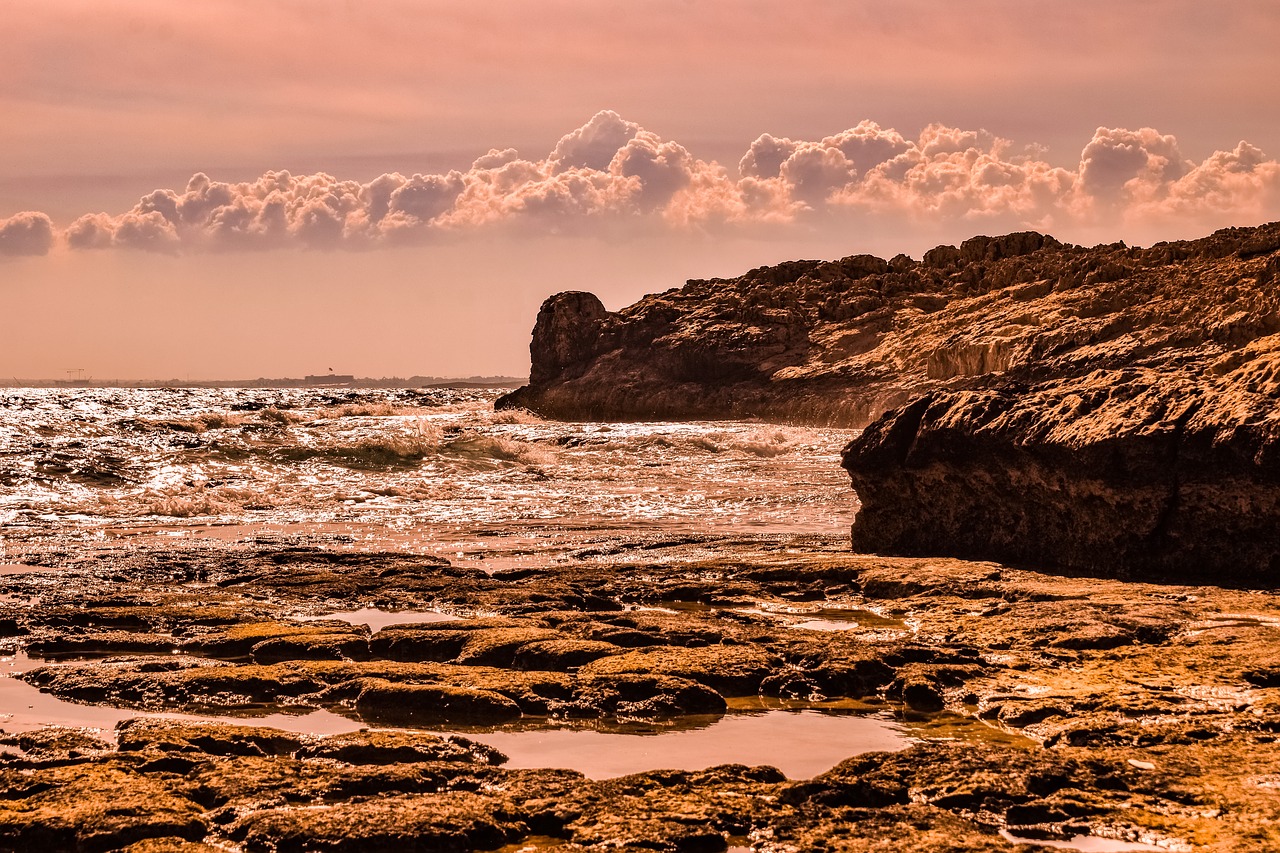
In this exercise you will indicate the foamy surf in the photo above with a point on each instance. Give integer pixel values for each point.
(72, 459)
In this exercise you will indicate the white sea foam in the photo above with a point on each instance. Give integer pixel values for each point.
(441, 456)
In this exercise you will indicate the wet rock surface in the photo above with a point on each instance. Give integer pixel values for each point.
(1042, 705)
(1109, 409)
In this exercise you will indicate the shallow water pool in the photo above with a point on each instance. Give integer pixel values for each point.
(1084, 844)
(25, 708)
(377, 619)
(800, 743)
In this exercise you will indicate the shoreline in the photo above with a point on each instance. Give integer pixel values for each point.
(1145, 711)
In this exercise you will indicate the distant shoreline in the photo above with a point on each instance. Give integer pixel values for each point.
(286, 382)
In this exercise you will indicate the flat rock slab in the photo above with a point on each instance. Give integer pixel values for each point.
(1045, 705)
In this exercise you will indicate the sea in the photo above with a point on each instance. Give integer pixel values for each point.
(105, 472)
(434, 471)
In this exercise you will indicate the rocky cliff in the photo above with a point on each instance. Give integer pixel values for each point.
(1108, 408)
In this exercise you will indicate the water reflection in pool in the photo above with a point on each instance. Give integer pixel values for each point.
(1084, 844)
(377, 619)
(823, 616)
(800, 743)
(25, 708)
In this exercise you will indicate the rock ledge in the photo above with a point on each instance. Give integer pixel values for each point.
(1110, 409)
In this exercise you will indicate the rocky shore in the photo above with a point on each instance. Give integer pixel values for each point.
(1061, 622)
(1035, 705)
(1109, 409)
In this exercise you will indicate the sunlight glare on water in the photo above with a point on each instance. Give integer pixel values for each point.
(395, 463)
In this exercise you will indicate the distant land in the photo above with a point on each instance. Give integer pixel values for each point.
(318, 381)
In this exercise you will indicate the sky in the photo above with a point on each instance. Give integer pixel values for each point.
(246, 188)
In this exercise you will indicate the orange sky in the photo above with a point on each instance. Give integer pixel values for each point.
(892, 127)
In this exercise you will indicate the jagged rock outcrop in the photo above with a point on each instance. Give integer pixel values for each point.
(1151, 447)
(565, 337)
(1107, 408)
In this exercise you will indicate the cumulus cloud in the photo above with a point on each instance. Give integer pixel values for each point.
(1121, 163)
(614, 176)
(951, 173)
(594, 145)
(26, 233)
(811, 172)
(1240, 183)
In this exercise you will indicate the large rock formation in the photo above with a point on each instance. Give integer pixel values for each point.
(1106, 408)
(1128, 471)
(1152, 446)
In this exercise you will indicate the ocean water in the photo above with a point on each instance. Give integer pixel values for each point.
(432, 471)
(88, 471)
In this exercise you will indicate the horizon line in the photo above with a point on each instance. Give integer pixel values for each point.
(308, 381)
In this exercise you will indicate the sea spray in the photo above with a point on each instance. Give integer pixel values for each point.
(71, 458)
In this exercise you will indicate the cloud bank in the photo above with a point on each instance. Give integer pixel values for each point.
(611, 176)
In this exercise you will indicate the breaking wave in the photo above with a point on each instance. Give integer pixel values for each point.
(203, 502)
(476, 446)
(377, 450)
(384, 448)
(398, 458)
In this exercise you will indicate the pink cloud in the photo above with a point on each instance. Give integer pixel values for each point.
(91, 231)
(662, 168)
(594, 145)
(148, 229)
(26, 233)
(813, 171)
(952, 173)
(1240, 182)
(1126, 165)
(765, 156)
(612, 176)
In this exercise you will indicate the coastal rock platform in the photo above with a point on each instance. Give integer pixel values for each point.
(1032, 705)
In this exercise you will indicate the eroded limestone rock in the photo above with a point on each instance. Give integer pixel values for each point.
(1111, 409)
